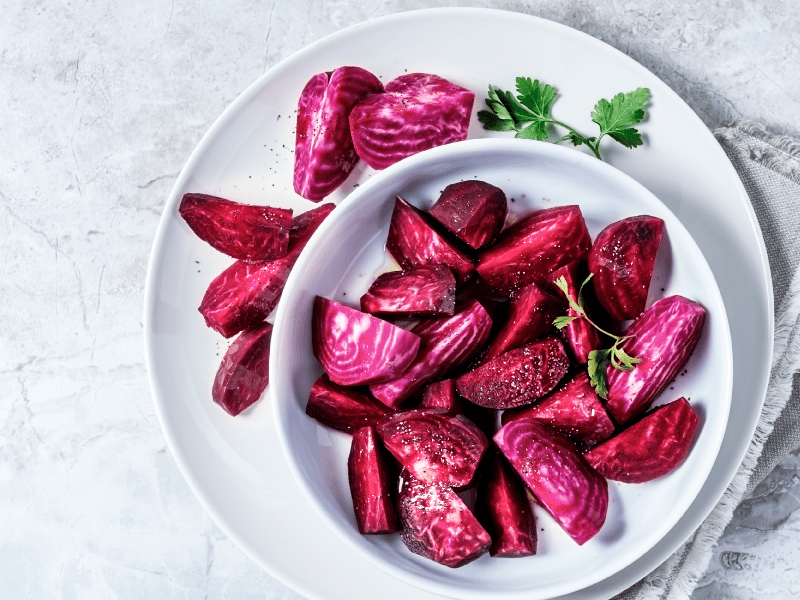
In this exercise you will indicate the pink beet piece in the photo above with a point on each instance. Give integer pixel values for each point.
(664, 337)
(574, 409)
(651, 448)
(433, 446)
(436, 524)
(342, 408)
(503, 509)
(372, 481)
(413, 242)
(622, 260)
(447, 343)
(533, 246)
(356, 348)
(242, 231)
(245, 293)
(516, 377)
(243, 375)
(473, 210)
(441, 395)
(558, 476)
(417, 111)
(324, 152)
(427, 290)
(579, 335)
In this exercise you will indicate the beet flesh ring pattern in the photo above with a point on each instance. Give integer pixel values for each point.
(342, 408)
(426, 290)
(416, 112)
(574, 494)
(324, 152)
(243, 375)
(371, 479)
(356, 348)
(475, 211)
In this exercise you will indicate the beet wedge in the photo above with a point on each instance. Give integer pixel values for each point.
(433, 446)
(324, 152)
(356, 348)
(664, 337)
(417, 111)
(423, 291)
(580, 335)
(622, 259)
(574, 494)
(244, 294)
(447, 343)
(442, 395)
(533, 246)
(574, 409)
(516, 377)
(435, 523)
(650, 448)
(243, 375)
(475, 211)
(242, 231)
(413, 242)
(372, 482)
(342, 408)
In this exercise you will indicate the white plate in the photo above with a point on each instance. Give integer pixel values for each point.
(235, 466)
(535, 176)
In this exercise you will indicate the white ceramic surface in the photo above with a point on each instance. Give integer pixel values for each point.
(235, 466)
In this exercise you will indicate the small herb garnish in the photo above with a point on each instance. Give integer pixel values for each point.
(529, 115)
(598, 359)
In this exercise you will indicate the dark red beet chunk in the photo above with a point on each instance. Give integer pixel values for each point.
(651, 448)
(561, 480)
(516, 377)
(447, 343)
(427, 290)
(580, 335)
(433, 446)
(503, 509)
(574, 409)
(356, 348)
(529, 249)
(665, 336)
(324, 152)
(243, 375)
(441, 394)
(343, 408)
(244, 294)
(473, 210)
(622, 260)
(418, 111)
(438, 525)
(243, 231)
(371, 483)
(412, 242)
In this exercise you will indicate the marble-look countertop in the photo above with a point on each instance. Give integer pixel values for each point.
(102, 103)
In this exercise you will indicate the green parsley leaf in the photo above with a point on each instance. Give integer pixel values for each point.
(561, 322)
(536, 97)
(596, 368)
(617, 117)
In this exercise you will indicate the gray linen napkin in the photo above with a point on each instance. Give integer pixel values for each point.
(769, 167)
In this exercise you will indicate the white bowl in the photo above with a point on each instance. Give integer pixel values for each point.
(343, 258)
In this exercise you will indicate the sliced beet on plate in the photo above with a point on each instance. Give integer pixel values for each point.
(372, 483)
(243, 375)
(427, 290)
(475, 211)
(341, 407)
(580, 335)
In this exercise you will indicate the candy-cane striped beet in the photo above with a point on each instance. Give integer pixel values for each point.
(343, 408)
(579, 334)
(426, 290)
(473, 210)
(372, 481)
(243, 375)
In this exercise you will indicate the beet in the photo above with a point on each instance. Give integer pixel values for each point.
(573, 408)
(371, 477)
(533, 246)
(413, 242)
(580, 334)
(516, 377)
(447, 342)
(433, 446)
(427, 290)
(356, 348)
(438, 525)
(244, 294)
(441, 394)
(324, 152)
(242, 231)
(243, 375)
(417, 111)
(650, 448)
(473, 210)
(622, 260)
(665, 336)
(342, 408)
(558, 476)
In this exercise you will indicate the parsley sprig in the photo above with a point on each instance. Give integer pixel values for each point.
(598, 359)
(529, 115)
